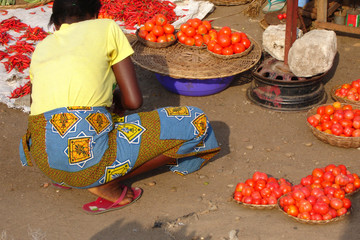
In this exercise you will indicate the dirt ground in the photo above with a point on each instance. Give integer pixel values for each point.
(197, 206)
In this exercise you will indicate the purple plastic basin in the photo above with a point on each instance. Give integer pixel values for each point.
(194, 87)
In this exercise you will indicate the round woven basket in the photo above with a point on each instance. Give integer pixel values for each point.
(339, 141)
(154, 44)
(177, 61)
(313, 221)
(229, 2)
(341, 99)
(236, 55)
(255, 206)
(26, 5)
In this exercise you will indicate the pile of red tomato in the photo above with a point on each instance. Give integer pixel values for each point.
(194, 32)
(261, 189)
(224, 41)
(337, 120)
(349, 91)
(158, 29)
(321, 195)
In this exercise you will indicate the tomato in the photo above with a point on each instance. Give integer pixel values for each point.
(349, 114)
(338, 115)
(182, 38)
(320, 110)
(336, 203)
(150, 37)
(224, 40)
(184, 26)
(161, 39)
(347, 107)
(356, 133)
(341, 211)
(293, 211)
(347, 203)
(304, 206)
(356, 122)
(225, 30)
(235, 37)
(325, 118)
(239, 48)
(307, 180)
(170, 37)
(243, 35)
(298, 195)
(142, 33)
(284, 15)
(349, 188)
(346, 123)
(304, 215)
(168, 28)
(256, 195)
(195, 23)
(356, 183)
(247, 191)
(158, 30)
(246, 42)
(190, 31)
(207, 24)
(321, 208)
(189, 41)
(198, 36)
(317, 192)
(313, 121)
(206, 38)
(317, 173)
(202, 29)
(324, 199)
(329, 109)
(316, 217)
(285, 188)
(217, 49)
(199, 42)
(160, 19)
(339, 193)
(238, 196)
(341, 179)
(247, 200)
(326, 125)
(271, 200)
(149, 25)
(337, 129)
(259, 176)
(280, 16)
(227, 51)
(260, 184)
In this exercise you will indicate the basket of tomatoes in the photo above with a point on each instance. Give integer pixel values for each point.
(226, 43)
(261, 191)
(157, 32)
(347, 93)
(322, 196)
(194, 33)
(336, 124)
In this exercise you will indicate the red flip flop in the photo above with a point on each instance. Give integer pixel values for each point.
(102, 205)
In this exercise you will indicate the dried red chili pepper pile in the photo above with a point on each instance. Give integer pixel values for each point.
(133, 12)
(18, 55)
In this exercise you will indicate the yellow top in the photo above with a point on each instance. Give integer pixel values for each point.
(72, 67)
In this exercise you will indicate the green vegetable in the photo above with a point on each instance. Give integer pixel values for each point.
(32, 1)
(7, 2)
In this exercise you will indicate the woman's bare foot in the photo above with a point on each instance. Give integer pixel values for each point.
(112, 192)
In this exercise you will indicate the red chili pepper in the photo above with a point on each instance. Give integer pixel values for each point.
(4, 12)
(43, 10)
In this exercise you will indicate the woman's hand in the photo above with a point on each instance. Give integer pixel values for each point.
(129, 96)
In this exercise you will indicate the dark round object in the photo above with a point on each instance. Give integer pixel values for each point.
(275, 87)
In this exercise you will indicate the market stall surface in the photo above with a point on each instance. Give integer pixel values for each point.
(199, 205)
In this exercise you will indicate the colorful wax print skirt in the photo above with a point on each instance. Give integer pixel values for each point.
(84, 147)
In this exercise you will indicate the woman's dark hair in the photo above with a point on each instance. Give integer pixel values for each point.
(68, 11)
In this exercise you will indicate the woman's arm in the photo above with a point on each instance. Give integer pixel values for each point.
(129, 97)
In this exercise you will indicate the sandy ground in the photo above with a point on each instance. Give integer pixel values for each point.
(197, 206)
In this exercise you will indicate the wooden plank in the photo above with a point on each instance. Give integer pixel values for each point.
(337, 27)
(321, 11)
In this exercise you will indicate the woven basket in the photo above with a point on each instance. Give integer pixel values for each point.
(27, 5)
(313, 221)
(154, 44)
(255, 206)
(178, 61)
(229, 2)
(339, 141)
(341, 99)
